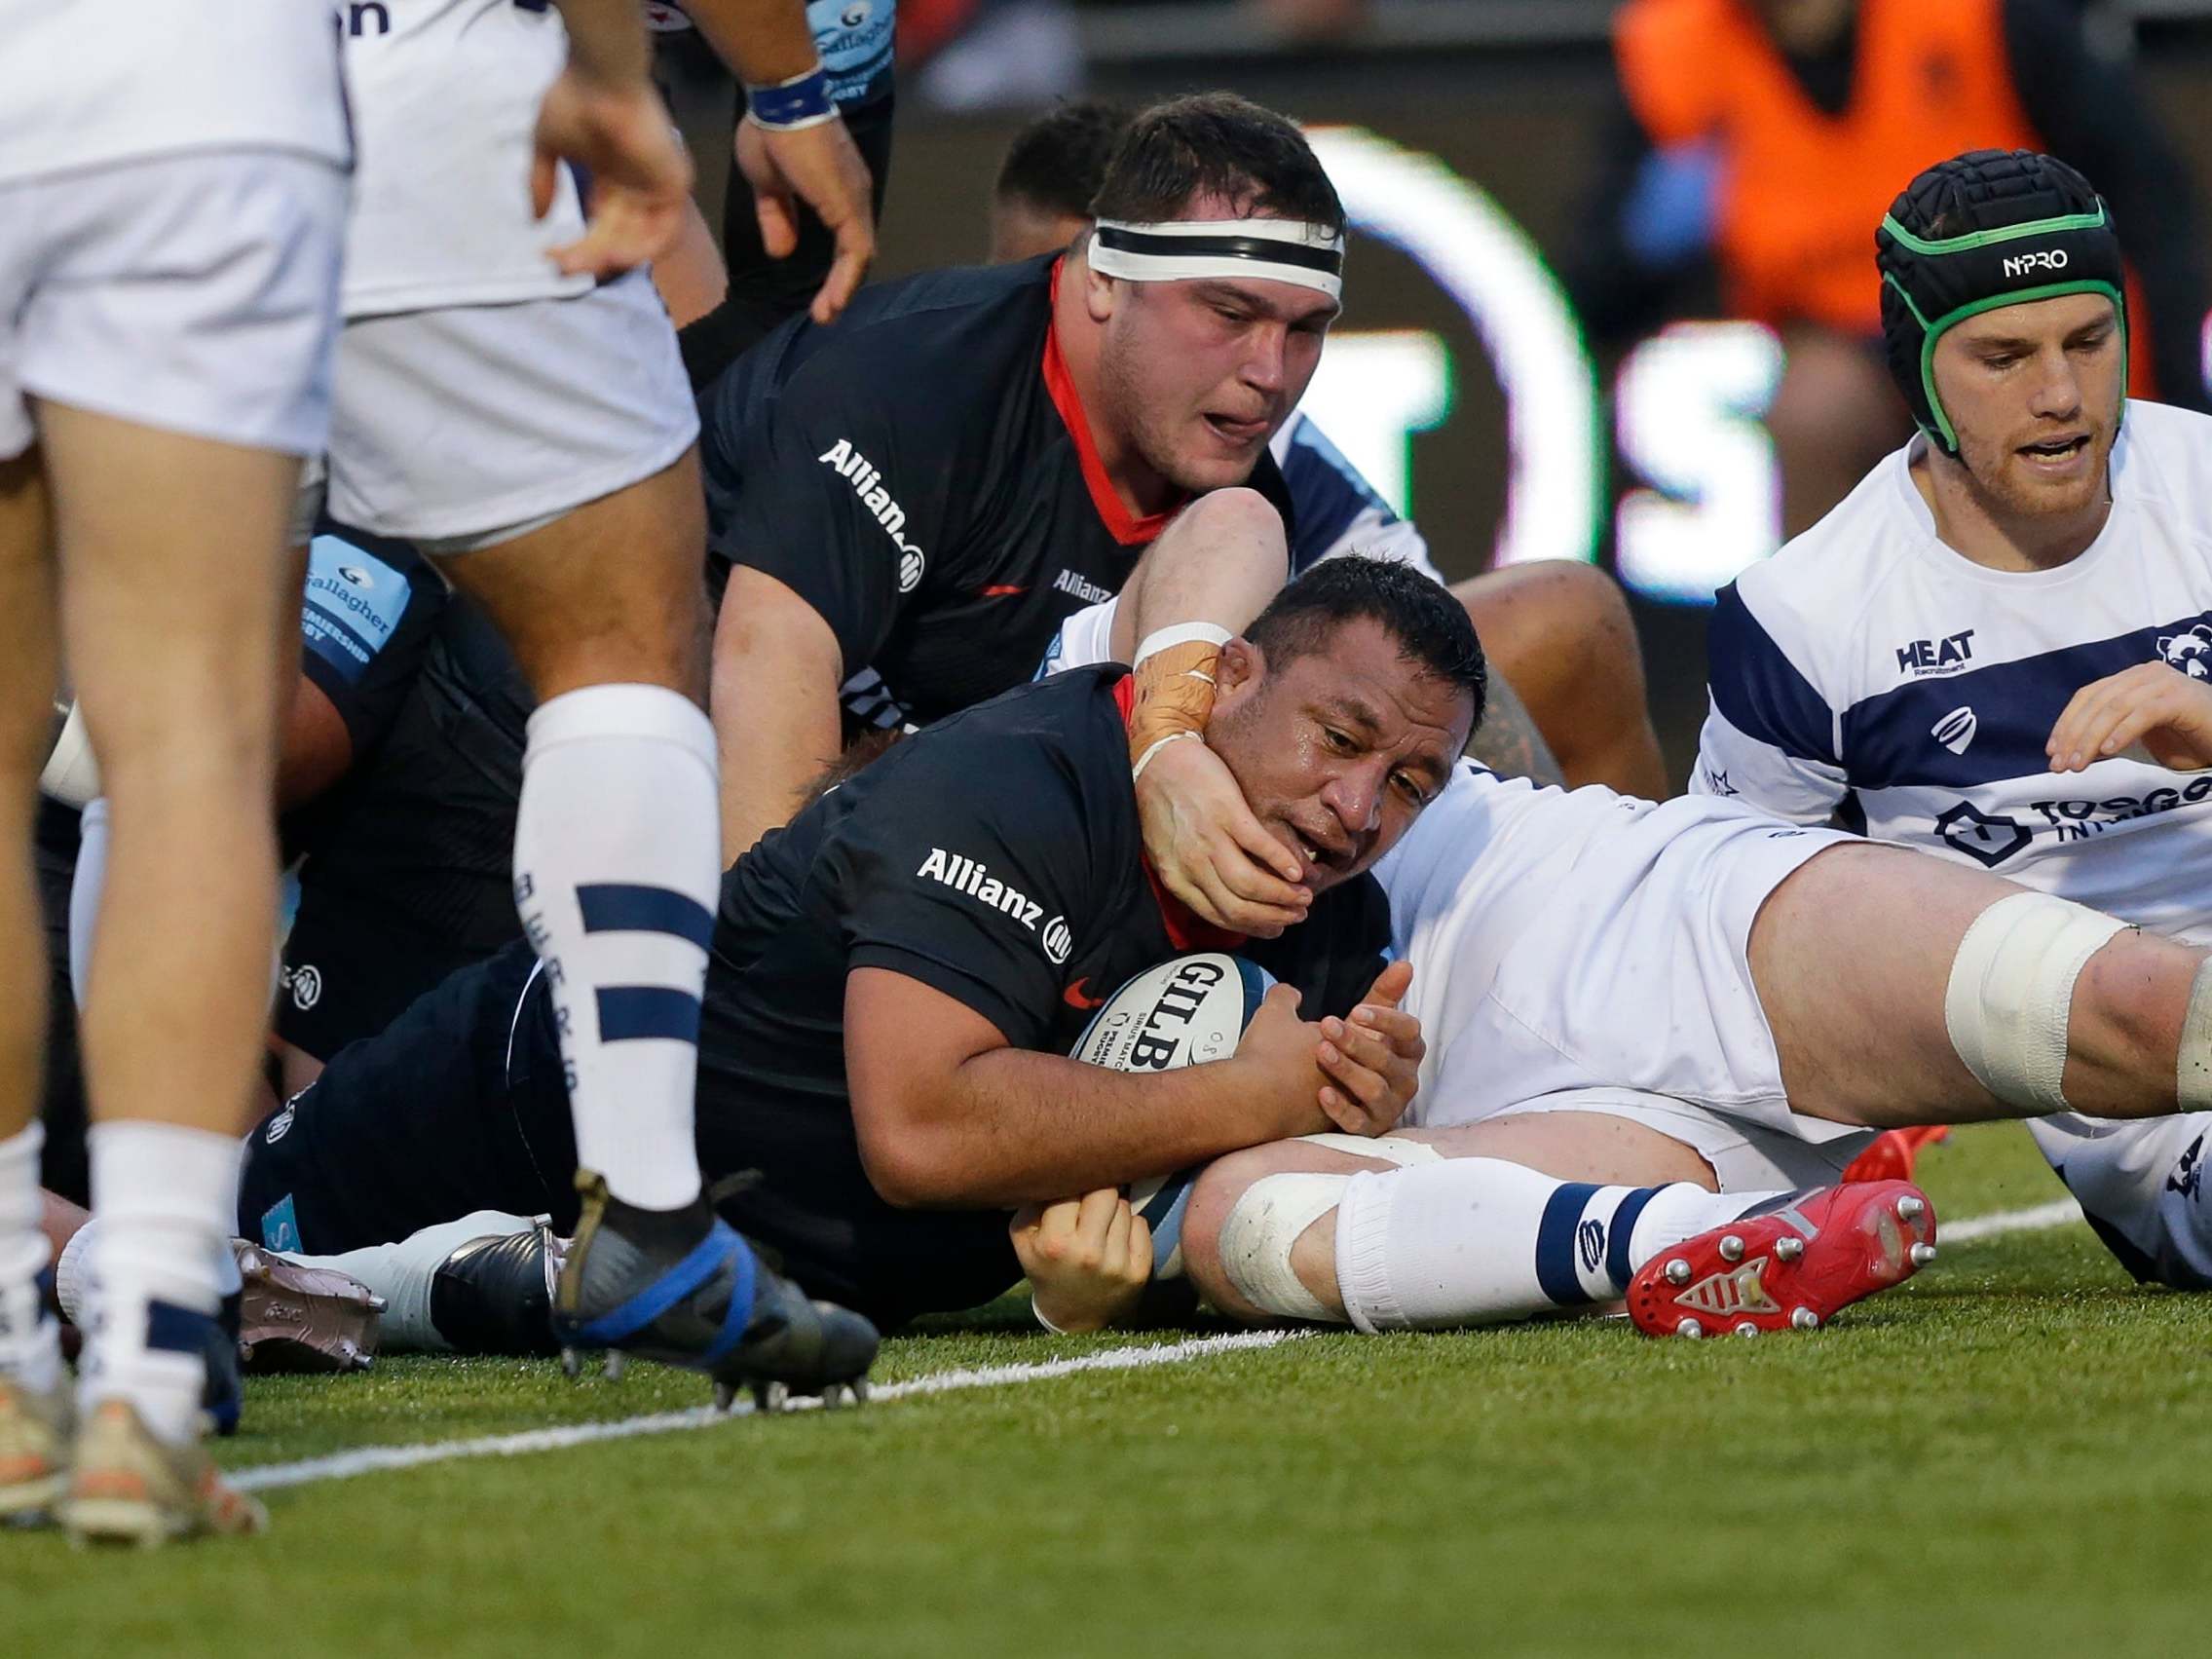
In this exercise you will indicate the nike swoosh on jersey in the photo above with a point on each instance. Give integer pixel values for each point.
(1077, 996)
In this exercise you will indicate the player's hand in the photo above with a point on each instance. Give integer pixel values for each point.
(1088, 1258)
(2162, 708)
(1210, 851)
(1372, 1061)
(823, 168)
(1280, 1080)
(641, 174)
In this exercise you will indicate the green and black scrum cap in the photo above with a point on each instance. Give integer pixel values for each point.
(1986, 229)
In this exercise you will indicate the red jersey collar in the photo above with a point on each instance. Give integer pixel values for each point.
(1121, 524)
(1186, 932)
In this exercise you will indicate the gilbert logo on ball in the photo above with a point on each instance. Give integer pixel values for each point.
(1187, 1012)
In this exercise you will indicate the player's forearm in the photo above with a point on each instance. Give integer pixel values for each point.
(775, 702)
(1012, 1127)
(764, 42)
(607, 39)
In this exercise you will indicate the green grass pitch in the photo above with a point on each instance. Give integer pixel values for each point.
(2010, 1456)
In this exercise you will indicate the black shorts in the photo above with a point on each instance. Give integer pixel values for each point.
(461, 1104)
(457, 1105)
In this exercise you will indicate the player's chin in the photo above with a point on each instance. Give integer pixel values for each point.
(1211, 459)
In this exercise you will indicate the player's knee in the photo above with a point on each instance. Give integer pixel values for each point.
(2008, 1004)
(1247, 1213)
(2142, 999)
(1562, 632)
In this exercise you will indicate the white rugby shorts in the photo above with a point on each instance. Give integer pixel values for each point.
(1627, 971)
(465, 426)
(196, 294)
(1746, 1156)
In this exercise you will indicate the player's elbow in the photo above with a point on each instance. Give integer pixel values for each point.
(916, 1169)
(764, 624)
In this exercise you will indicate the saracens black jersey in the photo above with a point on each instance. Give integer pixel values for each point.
(997, 857)
(922, 474)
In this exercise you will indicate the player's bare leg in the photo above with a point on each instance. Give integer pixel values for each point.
(1856, 957)
(1512, 1218)
(1560, 632)
(179, 679)
(617, 870)
(34, 1398)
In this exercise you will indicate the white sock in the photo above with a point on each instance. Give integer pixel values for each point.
(616, 870)
(1476, 1241)
(30, 1346)
(85, 885)
(402, 1274)
(167, 1199)
(2144, 1181)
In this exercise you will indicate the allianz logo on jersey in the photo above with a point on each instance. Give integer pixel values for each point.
(1081, 586)
(1923, 657)
(867, 484)
(963, 875)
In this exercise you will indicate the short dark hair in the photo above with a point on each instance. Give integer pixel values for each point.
(1215, 144)
(1418, 612)
(1059, 160)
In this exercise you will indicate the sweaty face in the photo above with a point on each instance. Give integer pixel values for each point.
(1338, 750)
(1197, 375)
(2034, 394)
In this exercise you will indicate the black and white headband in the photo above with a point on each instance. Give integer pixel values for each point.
(1175, 250)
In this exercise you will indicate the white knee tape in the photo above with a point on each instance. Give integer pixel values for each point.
(1387, 1149)
(1256, 1241)
(2011, 992)
(2193, 1068)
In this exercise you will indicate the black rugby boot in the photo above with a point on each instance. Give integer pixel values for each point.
(685, 1288)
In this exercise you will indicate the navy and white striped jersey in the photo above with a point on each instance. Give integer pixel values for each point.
(1870, 673)
(1337, 510)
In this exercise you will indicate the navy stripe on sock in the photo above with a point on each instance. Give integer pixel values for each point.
(630, 1011)
(177, 1329)
(1617, 1266)
(629, 907)
(1556, 1245)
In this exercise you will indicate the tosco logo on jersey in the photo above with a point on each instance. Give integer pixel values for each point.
(867, 483)
(963, 875)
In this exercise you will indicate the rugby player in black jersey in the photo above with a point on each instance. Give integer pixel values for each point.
(930, 488)
(896, 976)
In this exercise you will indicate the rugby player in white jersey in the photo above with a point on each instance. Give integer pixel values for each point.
(1979, 652)
(510, 398)
(172, 196)
(1655, 1036)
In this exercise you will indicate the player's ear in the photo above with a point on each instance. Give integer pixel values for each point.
(1238, 674)
(1102, 294)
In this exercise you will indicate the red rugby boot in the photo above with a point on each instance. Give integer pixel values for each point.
(1793, 1267)
(1892, 1154)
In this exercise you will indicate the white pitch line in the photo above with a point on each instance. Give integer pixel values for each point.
(2056, 1214)
(372, 1459)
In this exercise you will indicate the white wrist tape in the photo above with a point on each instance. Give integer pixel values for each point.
(1037, 1313)
(1181, 633)
(2011, 993)
(1256, 1242)
(71, 775)
(1153, 748)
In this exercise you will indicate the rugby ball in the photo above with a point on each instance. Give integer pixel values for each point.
(1183, 1012)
